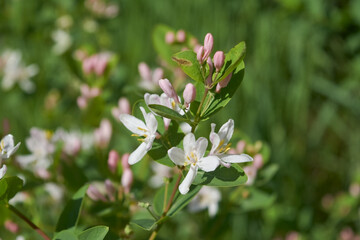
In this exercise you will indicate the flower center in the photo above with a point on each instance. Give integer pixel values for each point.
(142, 135)
(191, 159)
(223, 148)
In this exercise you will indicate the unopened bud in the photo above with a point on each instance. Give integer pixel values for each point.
(127, 179)
(101, 64)
(144, 204)
(200, 54)
(144, 71)
(168, 89)
(110, 190)
(240, 146)
(219, 59)
(11, 226)
(189, 93)
(170, 38)
(208, 80)
(258, 161)
(87, 65)
(208, 45)
(113, 161)
(103, 134)
(223, 83)
(95, 194)
(181, 36)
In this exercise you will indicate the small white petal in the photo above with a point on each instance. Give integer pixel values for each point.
(25, 160)
(226, 131)
(177, 155)
(149, 141)
(213, 209)
(138, 154)
(185, 128)
(236, 158)
(189, 143)
(132, 123)
(12, 150)
(151, 123)
(200, 147)
(186, 183)
(209, 164)
(3, 171)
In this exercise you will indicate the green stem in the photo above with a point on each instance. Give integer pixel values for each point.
(28, 221)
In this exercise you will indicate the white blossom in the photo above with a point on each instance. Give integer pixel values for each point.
(208, 197)
(7, 148)
(62, 41)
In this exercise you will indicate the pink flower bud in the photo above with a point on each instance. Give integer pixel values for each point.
(168, 89)
(189, 93)
(170, 38)
(94, 92)
(181, 36)
(113, 160)
(85, 90)
(200, 54)
(125, 161)
(11, 226)
(258, 161)
(144, 71)
(240, 146)
(223, 83)
(158, 74)
(95, 194)
(81, 102)
(208, 80)
(87, 65)
(167, 122)
(102, 135)
(208, 45)
(110, 190)
(219, 59)
(127, 179)
(101, 64)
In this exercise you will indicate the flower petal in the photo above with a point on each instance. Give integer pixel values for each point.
(138, 154)
(209, 164)
(150, 121)
(3, 171)
(186, 183)
(185, 127)
(200, 147)
(236, 158)
(7, 142)
(177, 155)
(132, 123)
(226, 131)
(12, 150)
(189, 143)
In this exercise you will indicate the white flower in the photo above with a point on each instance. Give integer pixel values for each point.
(62, 41)
(168, 102)
(15, 72)
(71, 141)
(193, 155)
(145, 130)
(220, 145)
(7, 148)
(41, 146)
(208, 197)
(149, 79)
(160, 172)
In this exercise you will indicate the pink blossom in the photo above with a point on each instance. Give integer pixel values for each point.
(103, 134)
(113, 160)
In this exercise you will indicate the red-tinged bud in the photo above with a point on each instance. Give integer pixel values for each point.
(168, 89)
(110, 190)
(208, 45)
(219, 59)
(113, 160)
(258, 161)
(127, 180)
(95, 194)
(223, 83)
(170, 38)
(144, 71)
(208, 80)
(82, 102)
(181, 36)
(125, 161)
(240, 146)
(200, 54)
(189, 94)
(103, 134)
(11, 226)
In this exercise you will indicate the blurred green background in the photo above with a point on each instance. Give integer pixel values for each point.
(300, 94)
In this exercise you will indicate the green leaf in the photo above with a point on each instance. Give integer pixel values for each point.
(265, 175)
(220, 100)
(67, 234)
(70, 215)
(222, 177)
(158, 201)
(189, 64)
(94, 233)
(146, 224)
(182, 200)
(9, 186)
(232, 59)
(257, 199)
(167, 113)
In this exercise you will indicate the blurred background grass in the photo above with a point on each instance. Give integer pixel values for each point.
(300, 94)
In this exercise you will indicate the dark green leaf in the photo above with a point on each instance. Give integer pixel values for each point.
(222, 177)
(232, 59)
(9, 186)
(220, 100)
(66, 235)
(70, 215)
(266, 174)
(94, 233)
(189, 64)
(146, 224)
(167, 113)
(257, 199)
(3, 187)
(182, 200)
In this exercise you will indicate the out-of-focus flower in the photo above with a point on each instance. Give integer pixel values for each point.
(101, 9)
(62, 41)
(14, 71)
(149, 79)
(11, 226)
(193, 155)
(146, 131)
(71, 141)
(348, 234)
(87, 93)
(208, 197)
(64, 22)
(160, 172)
(41, 147)
(181, 36)
(123, 107)
(55, 191)
(113, 160)
(102, 191)
(96, 63)
(103, 134)
(127, 175)
(170, 37)
(354, 189)
(292, 236)
(7, 148)
(90, 25)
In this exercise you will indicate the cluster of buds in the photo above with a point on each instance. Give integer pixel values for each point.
(171, 37)
(203, 56)
(96, 63)
(104, 192)
(149, 79)
(127, 175)
(87, 93)
(102, 9)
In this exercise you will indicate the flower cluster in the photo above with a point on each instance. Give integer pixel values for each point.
(7, 148)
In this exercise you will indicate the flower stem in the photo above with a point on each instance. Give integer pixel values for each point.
(28, 221)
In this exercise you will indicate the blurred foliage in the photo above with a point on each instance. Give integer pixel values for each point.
(301, 95)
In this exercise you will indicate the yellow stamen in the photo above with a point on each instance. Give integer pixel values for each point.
(2, 145)
(142, 129)
(135, 135)
(173, 104)
(141, 140)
